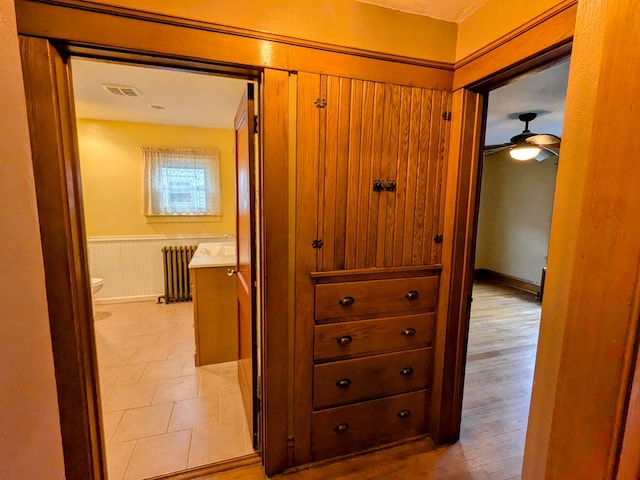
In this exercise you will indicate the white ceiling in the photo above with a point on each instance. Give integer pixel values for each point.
(543, 91)
(450, 10)
(191, 98)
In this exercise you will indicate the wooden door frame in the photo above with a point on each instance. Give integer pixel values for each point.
(58, 189)
(536, 45)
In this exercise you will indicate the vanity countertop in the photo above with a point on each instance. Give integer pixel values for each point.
(214, 254)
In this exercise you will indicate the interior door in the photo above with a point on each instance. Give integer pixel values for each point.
(246, 284)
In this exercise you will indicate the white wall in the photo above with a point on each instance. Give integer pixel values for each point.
(516, 201)
(30, 439)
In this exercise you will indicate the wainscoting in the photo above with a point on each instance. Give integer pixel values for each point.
(131, 266)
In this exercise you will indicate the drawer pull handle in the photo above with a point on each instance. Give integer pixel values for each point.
(346, 301)
(345, 340)
(404, 413)
(343, 382)
(406, 371)
(409, 332)
(342, 427)
(411, 295)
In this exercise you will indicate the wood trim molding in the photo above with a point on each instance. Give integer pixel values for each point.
(464, 166)
(274, 190)
(503, 278)
(82, 25)
(306, 230)
(243, 32)
(541, 39)
(57, 181)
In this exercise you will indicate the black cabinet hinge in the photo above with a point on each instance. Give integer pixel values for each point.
(446, 116)
(469, 301)
(317, 243)
(320, 102)
(255, 124)
(438, 238)
(258, 406)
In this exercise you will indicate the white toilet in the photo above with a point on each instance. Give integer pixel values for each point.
(96, 286)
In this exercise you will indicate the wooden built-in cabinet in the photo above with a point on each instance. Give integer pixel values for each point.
(370, 175)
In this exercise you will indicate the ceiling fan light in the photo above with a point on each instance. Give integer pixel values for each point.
(524, 153)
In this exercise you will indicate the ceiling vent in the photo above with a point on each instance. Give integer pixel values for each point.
(122, 90)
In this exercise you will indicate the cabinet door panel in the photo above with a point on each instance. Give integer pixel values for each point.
(388, 133)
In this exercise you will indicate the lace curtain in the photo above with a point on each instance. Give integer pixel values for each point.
(181, 181)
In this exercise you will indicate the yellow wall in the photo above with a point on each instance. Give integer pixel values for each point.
(30, 442)
(339, 22)
(495, 19)
(111, 168)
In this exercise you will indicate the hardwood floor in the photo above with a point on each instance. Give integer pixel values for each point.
(501, 355)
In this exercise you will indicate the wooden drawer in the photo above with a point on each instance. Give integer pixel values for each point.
(375, 297)
(341, 430)
(348, 339)
(376, 376)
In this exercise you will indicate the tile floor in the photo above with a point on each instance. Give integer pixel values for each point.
(161, 414)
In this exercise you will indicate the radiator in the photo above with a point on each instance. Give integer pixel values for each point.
(177, 284)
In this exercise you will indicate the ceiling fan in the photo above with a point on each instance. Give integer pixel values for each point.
(528, 145)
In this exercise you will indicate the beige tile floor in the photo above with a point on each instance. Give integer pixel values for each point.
(161, 413)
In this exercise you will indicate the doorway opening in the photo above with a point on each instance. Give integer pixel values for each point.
(174, 378)
(511, 241)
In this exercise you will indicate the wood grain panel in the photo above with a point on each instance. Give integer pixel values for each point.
(424, 135)
(354, 173)
(401, 177)
(394, 373)
(439, 200)
(362, 432)
(391, 173)
(366, 196)
(344, 181)
(431, 209)
(307, 185)
(330, 178)
(376, 174)
(321, 165)
(369, 336)
(412, 175)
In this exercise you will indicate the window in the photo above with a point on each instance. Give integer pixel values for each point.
(181, 181)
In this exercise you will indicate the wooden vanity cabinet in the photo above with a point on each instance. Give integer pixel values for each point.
(215, 311)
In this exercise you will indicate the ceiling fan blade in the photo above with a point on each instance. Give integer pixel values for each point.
(546, 153)
(493, 149)
(544, 140)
